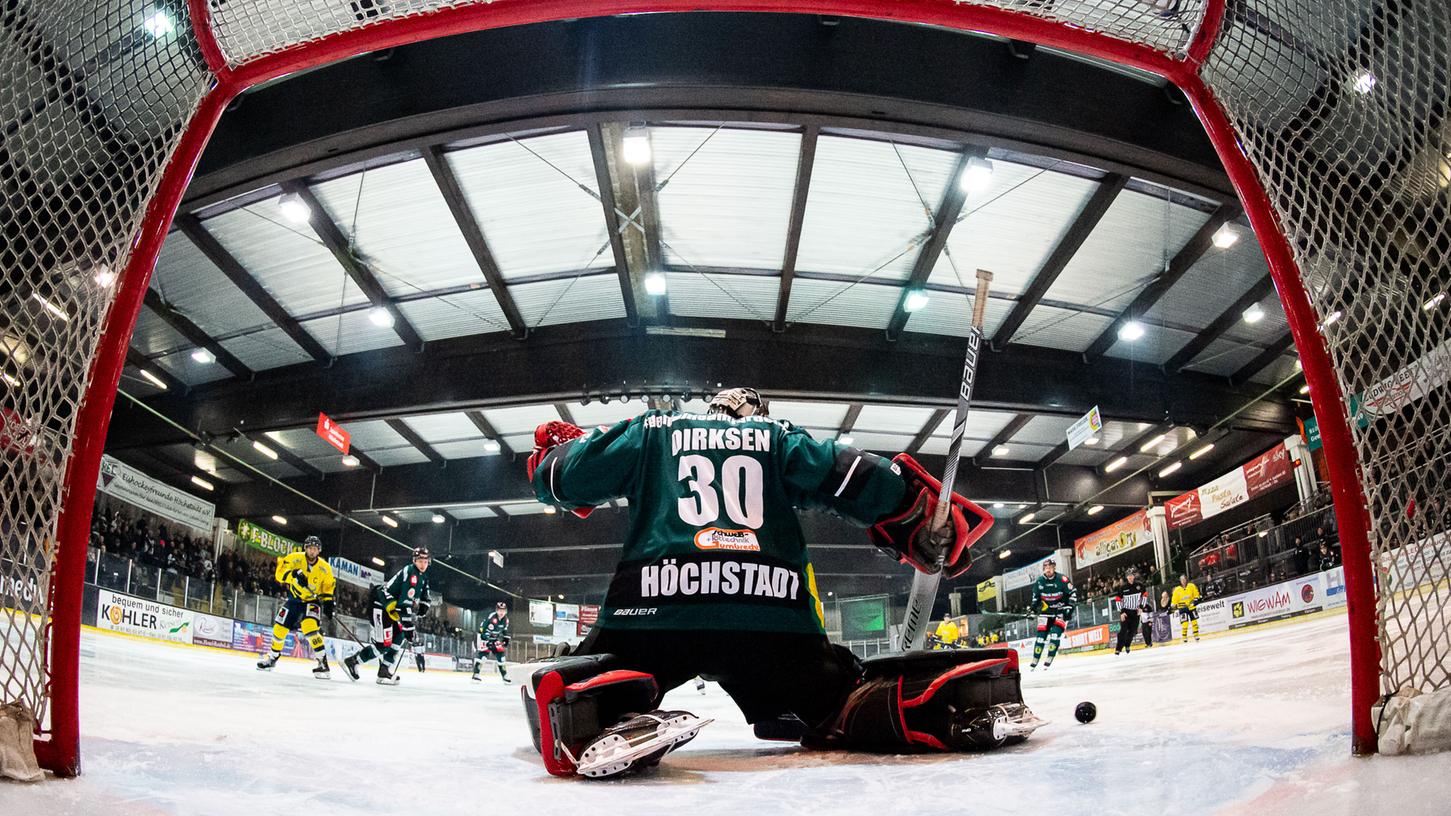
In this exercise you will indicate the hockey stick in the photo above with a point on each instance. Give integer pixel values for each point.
(924, 585)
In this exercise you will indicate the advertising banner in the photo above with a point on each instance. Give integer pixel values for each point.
(1253, 479)
(564, 611)
(257, 637)
(1403, 387)
(134, 616)
(437, 661)
(1023, 576)
(210, 630)
(1312, 434)
(1308, 593)
(130, 485)
(333, 433)
(987, 590)
(1088, 638)
(541, 613)
(566, 631)
(1084, 428)
(1123, 535)
(589, 615)
(259, 538)
(350, 572)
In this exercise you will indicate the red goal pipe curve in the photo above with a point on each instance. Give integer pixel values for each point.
(61, 752)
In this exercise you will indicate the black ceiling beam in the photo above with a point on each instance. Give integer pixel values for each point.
(853, 412)
(140, 361)
(487, 429)
(341, 248)
(805, 163)
(600, 157)
(1062, 254)
(564, 412)
(419, 443)
(1182, 262)
(191, 331)
(194, 230)
(365, 461)
(943, 221)
(294, 460)
(928, 428)
(1265, 359)
(1051, 457)
(1226, 321)
(468, 373)
(1002, 437)
(463, 216)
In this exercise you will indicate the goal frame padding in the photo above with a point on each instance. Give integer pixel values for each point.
(60, 751)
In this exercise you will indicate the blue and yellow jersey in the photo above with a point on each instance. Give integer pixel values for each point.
(305, 582)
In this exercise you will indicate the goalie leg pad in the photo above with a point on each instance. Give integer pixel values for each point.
(572, 700)
(935, 701)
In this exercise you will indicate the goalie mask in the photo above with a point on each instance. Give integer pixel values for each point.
(738, 402)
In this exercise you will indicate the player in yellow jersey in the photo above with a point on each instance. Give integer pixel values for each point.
(946, 635)
(309, 582)
(1185, 601)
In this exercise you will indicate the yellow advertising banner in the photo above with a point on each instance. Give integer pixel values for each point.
(987, 590)
(1115, 539)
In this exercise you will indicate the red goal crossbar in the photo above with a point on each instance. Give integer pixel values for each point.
(61, 751)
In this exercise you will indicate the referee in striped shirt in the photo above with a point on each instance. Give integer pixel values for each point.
(1130, 598)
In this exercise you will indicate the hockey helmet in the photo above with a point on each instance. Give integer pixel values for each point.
(738, 402)
(312, 541)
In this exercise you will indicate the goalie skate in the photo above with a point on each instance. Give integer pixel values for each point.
(638, 742)
(994, 726)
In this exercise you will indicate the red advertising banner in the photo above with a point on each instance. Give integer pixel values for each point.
(333, 433)
(589, 615)
(1251, 480)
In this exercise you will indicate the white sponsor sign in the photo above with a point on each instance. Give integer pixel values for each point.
(1084, 428)
(1308, 593)
(541, 613)
(1227, 491)
(1403, 387)
(135, 616)
(564, 611)
(131, 485)
(350, 572)
(566, 631)
(1023, 576)
(438, 662)
(18, 592)
(210, 630)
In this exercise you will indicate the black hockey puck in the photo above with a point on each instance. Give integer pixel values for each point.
(1085, 712)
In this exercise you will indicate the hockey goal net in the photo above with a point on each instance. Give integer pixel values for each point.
(1330, 116)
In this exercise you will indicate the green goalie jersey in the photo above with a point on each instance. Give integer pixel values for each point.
(713, 541)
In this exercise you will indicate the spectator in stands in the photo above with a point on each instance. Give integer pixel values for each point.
(1327, 558)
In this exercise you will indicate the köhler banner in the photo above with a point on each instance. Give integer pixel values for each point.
(130, 485)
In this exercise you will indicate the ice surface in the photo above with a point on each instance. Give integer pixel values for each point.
(1252, 723)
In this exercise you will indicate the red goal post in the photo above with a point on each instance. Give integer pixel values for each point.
(1205, 47)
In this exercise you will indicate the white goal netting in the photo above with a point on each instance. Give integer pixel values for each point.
(1340, 105)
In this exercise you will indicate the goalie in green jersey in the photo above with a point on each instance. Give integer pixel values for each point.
(715, 581)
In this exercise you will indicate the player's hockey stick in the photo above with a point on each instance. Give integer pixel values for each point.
(924, 585)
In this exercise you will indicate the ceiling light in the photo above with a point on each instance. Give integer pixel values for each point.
(280, 520)
(379, 561)
(380, 317)
(104, 276)
(1095, 510)
(153, 379)
(1225, 237)
(1027, 518)
(492, 446)
(1433, 302)
(635, 146)
(1254, 314)
(1299, 366)
(845, 439)
(264, 450)
(1131, 331)
(1115, 464)
(294, 209)
(977, 175)
(203, 356)
(1152, 443)
(561, 597)
(1001, 450)
(205, 462)
(655, 284)
(437, 518)
(1202, 451)
(997, 505)
(351, 461)
(14, 348)
(1092, 440)
(1005, 553)
(1363, 82)
(916, 299)
(9, 380)
(50, 307)
(1333, 318)
(390, 521)
(1305, 389)
(1170, 469)
(202, 483)
(158, 25)
(549, 508)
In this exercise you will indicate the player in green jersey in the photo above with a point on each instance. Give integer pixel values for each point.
(396, 605)
(1053, 599)
(715, 580)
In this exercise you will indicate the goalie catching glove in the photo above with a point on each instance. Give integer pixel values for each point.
(906, 532)
(548, 439)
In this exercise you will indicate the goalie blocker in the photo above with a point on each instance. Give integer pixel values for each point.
(583, 711)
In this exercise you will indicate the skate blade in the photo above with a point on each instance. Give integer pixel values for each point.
(615, 754)
(327, 676)
(1024, 727)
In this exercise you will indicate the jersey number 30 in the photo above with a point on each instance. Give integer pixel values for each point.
(740, 486)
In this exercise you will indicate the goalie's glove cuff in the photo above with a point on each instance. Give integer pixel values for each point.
(905, 532)
(547, 437)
